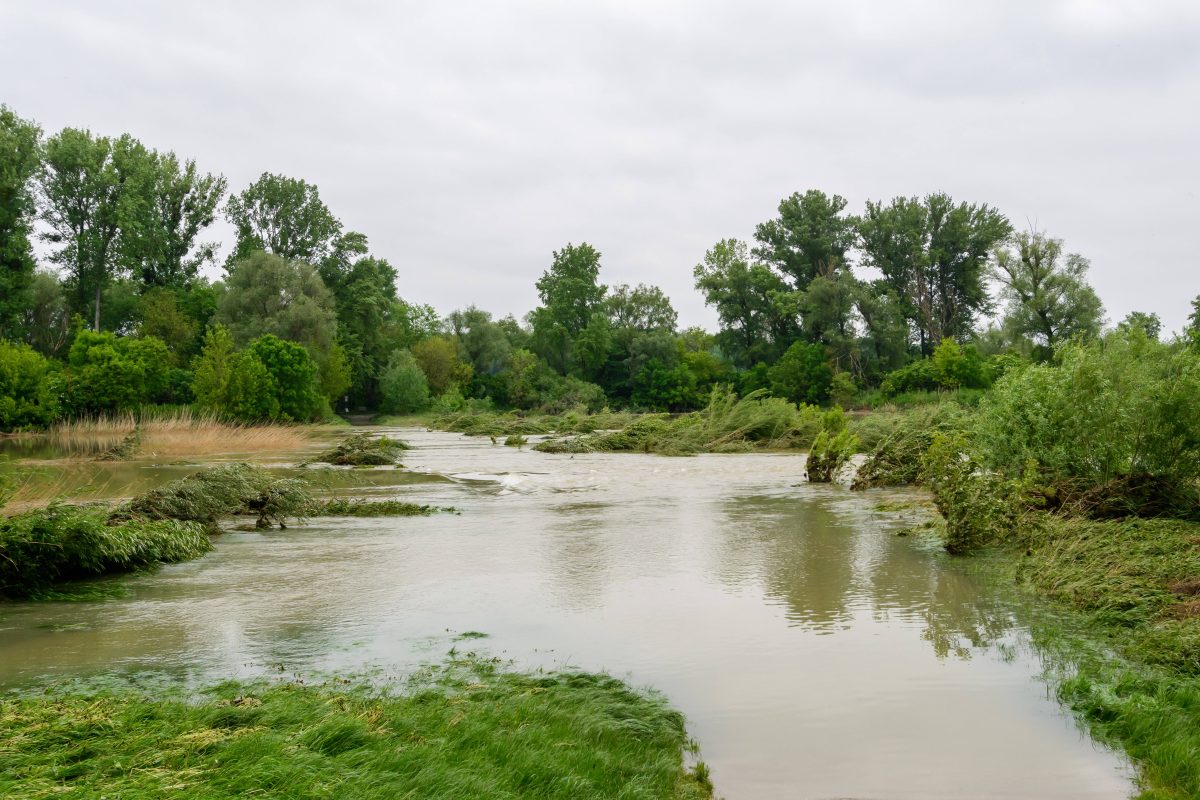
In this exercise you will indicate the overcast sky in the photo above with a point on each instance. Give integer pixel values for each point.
(470, 139)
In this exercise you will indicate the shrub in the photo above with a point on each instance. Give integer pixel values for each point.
(117, 373)
(295, 375)
(896, 459)
(802, 374)
(29, 388)
(62, 542)
(402, 385)
(1124, 407)
(250, 391)
(832, 448)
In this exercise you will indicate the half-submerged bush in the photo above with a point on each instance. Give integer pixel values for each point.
(896, 459)
(208, 495)
(60, 543)
(340, 507)
(832, 448)
(362, 449)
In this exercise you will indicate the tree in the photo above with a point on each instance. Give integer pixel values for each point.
(267, 294)
(1192, 331)
(570, 293)
(116, 373)
(283, 216)
(642, 308)
(184, 204)
(162, 317)
(481, 341)
(802, 375)
(438, 359)
(211, 369)
(1048, 297)
(82, 197)
(1149, 324)
(933, 255)
(47, 314)
(250, 393)
(294, 372)
(810, 237)
(28, 389)
(20, 156)
(755, 322)
(402, 385)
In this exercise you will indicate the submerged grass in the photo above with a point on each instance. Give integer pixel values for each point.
(514, 423)
(361, 450)
(465, 729)
(339, 507)
(39, 549)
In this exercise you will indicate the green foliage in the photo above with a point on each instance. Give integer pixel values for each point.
(438, 359)
(979, 507)
(20, 158)
(896, 459)
(1048, 301)
(41, 548)
(116, 373)
(362, 449)
(660, 388)
(212, 368)
(294, 373)
(802, 375)
(250, 393)
(832, 449)
(29, 388)
(1125, 406)
(570, 292)
(206, 496)
(339, 507)
(933, 255)
(162, 317)
(1148, 324)
(809, 238)
(282, 216)
(402, 385)
(465, 729)
(755, 324)
(267, 294)
(842, 389)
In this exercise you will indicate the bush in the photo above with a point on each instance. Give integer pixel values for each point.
(295, 375)
(402, 385)
(62, 542)
(1124, 407)
(204, 497)
(802, 374)
(250, 392)
(29, 388)
(832, 448)
(117, 373)
(896, 459)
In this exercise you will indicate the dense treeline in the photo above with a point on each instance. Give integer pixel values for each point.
(821, 306)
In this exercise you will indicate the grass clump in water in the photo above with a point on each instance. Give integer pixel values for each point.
(832, 449)
(362, 450)
(228, 490)
(339, 507)
(466, 729)
(41, 548)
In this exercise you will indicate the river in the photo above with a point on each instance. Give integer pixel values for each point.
(815, 652)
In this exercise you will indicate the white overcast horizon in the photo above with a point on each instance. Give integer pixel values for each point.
(468, 140)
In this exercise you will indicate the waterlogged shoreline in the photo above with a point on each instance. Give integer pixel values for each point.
(761, 606)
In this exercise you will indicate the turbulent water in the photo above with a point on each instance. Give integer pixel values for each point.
(815, 653)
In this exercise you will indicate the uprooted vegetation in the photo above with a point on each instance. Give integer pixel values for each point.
(43, 547)
(506, 424)
(462, 729)
(728, 424)
(39, 549)
(362, 450)
(831, 450)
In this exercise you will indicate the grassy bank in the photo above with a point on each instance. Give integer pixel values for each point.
(466, 729)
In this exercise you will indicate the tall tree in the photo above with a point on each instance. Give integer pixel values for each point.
(1149, 324)
(284, 216)
(570, 292)
(185, 204)
(20, 155)
(266, 294)
(933, 253)
(641, 308)
(810, 237)
(757, 322)
(1049, 300)
(83, 192)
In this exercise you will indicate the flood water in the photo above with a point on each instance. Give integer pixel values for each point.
(815, 653)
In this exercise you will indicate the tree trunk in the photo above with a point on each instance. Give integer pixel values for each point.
(96, 323)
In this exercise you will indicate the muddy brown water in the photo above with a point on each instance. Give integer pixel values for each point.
(815, 653)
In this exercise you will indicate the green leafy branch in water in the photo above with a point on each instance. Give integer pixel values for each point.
(362, 450)
(832, 449)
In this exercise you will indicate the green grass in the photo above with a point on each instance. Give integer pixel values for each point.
(362, 450)
(463, 730)
(41, 549)
(514, 423)
(339, 507)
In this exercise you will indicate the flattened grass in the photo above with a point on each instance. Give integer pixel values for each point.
(464, 730)
(361, 450)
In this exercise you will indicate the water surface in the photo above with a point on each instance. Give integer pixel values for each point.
(815, 653)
